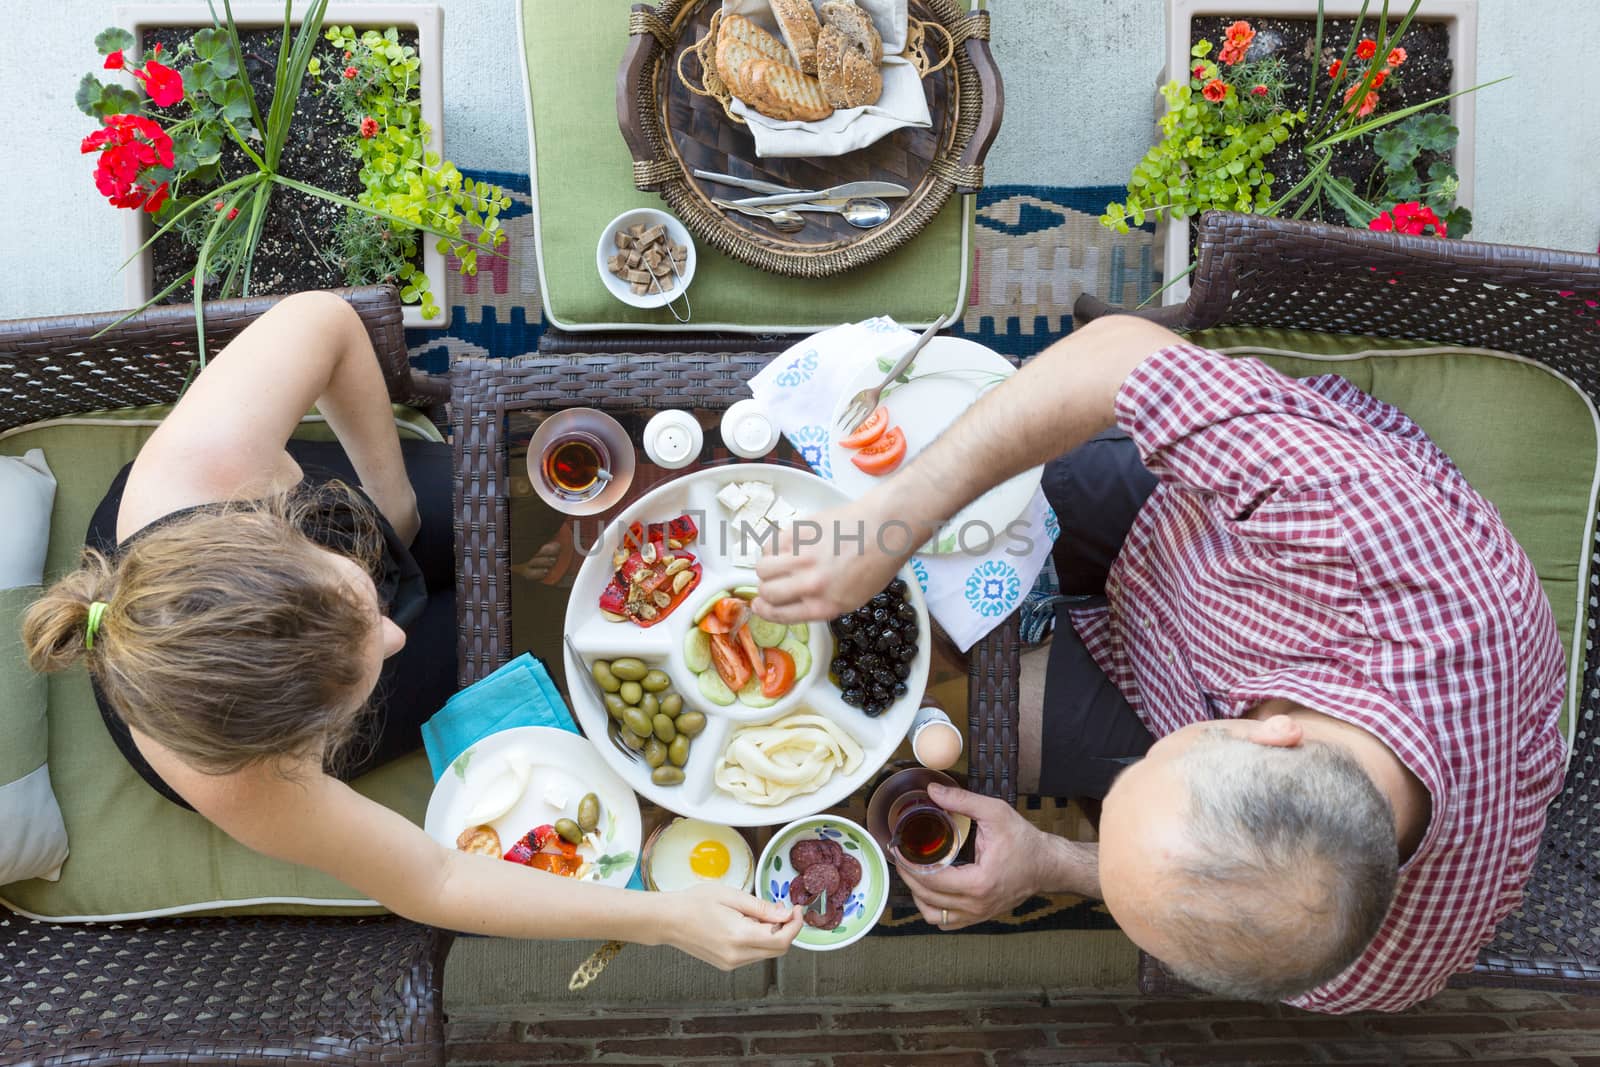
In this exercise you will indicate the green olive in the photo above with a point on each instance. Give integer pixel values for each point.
(631, 692)
(664, 729)
(632, 740)
(589, 813)
(650, 704)
(678, 751)
(671, 705)
(667, 775)
(638, 722)
(690, 723)
(629, 670)
(602, 674)
(614, 705)
(655, 753)
(655, 681)
(570, 831)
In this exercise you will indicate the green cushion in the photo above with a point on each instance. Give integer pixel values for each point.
(1523, 436)
(583, 178)
(135, 854)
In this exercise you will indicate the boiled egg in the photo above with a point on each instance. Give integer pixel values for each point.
(689, 851)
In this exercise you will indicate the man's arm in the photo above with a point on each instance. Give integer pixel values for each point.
(1058, 401)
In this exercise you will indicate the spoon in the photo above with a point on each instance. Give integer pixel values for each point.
(863, 213)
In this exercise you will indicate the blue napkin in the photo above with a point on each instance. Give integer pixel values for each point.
(518, 694)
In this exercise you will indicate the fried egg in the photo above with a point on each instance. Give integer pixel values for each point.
(688, 852)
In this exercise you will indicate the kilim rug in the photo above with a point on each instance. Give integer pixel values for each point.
(1036, 249)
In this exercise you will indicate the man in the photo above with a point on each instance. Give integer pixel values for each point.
(1350, 667)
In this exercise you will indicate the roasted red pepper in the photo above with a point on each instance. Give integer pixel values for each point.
(677, 598)
(615, 596)
(682, 530)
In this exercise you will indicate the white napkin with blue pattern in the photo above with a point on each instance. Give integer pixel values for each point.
(968, 593)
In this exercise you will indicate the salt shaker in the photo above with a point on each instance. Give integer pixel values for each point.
(747, 431)
(673, 439)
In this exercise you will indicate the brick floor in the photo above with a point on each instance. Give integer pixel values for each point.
(1456, 1029)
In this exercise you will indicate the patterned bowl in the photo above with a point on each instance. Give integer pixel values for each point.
(862, 908)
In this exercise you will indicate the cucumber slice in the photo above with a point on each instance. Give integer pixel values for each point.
(767, 634)
(706, 605)
(745, 592)
(752, 696)
(697, 650)
(714, 689)
(800, 652)
(800, 631)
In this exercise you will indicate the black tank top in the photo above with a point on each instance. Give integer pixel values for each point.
(402, 591)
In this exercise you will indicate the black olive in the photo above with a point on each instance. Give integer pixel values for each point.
(900, 689)
(846, 624)
(880, 695)
(891, 638)
(849, 678)
(880, 600)
(854, 697)
(908, 653)
(874, 709)
(838, 665)
(863, 613)
(907, 612)
(898, 588)
(880, 616)
(902, 670)
(869, 661)
(883, 676)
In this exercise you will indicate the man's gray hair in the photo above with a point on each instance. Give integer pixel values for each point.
(1291, 871)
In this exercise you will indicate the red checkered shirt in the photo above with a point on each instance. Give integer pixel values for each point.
(1308, 542)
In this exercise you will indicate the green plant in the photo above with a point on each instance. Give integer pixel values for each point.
(1415, 166)
(375, 81)
(172, 171)
(1184, 173)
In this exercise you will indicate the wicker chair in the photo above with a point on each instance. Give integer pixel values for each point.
(1256, 271)
(259, 990)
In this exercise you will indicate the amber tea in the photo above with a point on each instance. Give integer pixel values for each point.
(576, 466)
(922, 832)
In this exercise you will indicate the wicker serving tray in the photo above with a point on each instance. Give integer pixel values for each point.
(671, 131)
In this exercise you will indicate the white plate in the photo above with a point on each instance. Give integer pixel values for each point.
(607, 248)
(662, 646)
(948, 378)
(559, 759)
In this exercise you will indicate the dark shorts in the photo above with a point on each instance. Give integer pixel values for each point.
(1089, 731)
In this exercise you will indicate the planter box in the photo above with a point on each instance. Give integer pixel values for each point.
(426, 20)
(1459, 17)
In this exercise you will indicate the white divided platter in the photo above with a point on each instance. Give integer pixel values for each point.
(559, 762)
(948, 377)
(661, 645)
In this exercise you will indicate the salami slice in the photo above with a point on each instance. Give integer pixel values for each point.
(805, 853)
(835, 853)
(829, 919)
(822, 878)
(799, 894)
(849, 873)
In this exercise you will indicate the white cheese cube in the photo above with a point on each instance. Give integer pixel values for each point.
(761, 495)
(732, 496)
(781, 513)
(556, 797)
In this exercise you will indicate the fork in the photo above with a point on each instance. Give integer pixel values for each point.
(819, 904)
(865, 402)
(613, 730)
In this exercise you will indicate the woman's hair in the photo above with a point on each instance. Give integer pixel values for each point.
(228, 637)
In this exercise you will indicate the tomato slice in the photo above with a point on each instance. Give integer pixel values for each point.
(778, 678)
(729, 661)
(883, 455)
(868, 431)
(726, 616)
(752, 651)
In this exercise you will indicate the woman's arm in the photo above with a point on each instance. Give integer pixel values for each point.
(317, 821)
(225, 438)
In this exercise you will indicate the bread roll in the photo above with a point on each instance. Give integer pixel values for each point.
(797, 21)
(847, 76)
(854, 22)
(751, 34)
(783, 93)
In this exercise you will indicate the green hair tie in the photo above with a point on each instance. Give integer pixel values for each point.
(97, 611)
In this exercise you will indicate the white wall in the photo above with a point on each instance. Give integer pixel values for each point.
(1080, 77)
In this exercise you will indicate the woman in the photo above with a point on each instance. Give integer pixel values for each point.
(246, 625)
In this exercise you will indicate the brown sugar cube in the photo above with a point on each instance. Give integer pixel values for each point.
(655, 233)
(639, 277)
(666, 281)
(680, 255)
(622, 240)
(655, 258)
(632, 258)
(640, 288)
(616, 264)
(636, 231)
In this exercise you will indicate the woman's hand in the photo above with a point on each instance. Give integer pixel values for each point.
(727, 928)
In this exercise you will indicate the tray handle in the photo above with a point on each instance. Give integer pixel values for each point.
(972, 33)
(647, 33)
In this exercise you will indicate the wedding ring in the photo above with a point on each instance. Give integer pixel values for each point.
(944, 916)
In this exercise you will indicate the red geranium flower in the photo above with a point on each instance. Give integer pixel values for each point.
(233, 213)
(1367, 48)
(1260, 90)
(128, 144)
(1410, 218)
(114, 61)
(369, 127)
(1397, 57)
(164, 84)
(1236, 42)
(350, 72)
(158, 197)
(1335, 71)
(1199, 71)
(1216, 90)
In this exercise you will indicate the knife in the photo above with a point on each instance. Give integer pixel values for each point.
(838, 192)
(753, 184)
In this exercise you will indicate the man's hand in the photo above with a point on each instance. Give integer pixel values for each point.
(1007, 872)
(811, 577)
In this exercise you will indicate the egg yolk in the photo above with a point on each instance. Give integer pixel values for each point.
(709, 859)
